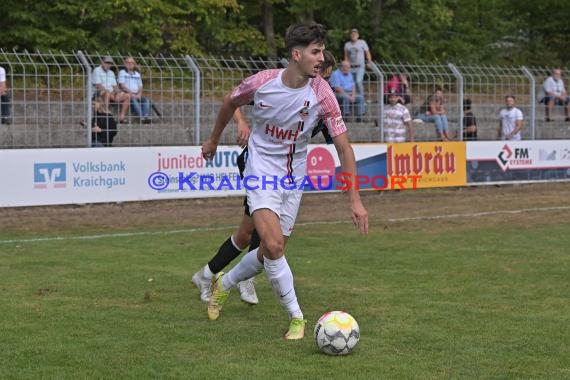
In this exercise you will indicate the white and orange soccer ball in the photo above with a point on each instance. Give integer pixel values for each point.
(337, 333)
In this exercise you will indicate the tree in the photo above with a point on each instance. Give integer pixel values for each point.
(463, 31)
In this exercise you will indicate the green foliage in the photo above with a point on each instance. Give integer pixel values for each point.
(463, 31)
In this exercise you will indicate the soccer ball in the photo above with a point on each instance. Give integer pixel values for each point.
(336, 333)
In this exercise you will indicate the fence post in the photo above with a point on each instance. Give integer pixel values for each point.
(197, 81)
(459, 77)
(532, 97)
(89, 111)
(380, 97)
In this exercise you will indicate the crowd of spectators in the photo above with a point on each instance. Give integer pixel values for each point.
(118, 93)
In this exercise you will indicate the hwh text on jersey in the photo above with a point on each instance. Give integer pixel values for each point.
(280, 133)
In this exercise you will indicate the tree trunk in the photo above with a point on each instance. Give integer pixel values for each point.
(268, 28)
(376, 18)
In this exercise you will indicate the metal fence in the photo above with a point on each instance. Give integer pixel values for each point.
(50, 98)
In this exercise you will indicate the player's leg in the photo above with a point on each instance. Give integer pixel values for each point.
(273, 228)
(274, 217)
(250, 264)
(279, 273)
(248, 267)
(255, 240)
(227, 252)
(246, 288)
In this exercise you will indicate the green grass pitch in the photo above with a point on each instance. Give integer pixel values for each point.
(448, 303)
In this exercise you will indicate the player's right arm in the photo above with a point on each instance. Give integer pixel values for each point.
(225, 114)
(243, 130)
(241, 95)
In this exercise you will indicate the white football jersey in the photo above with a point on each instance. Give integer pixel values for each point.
(283, 119)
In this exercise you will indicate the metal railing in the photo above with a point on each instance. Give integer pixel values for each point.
(50, 98)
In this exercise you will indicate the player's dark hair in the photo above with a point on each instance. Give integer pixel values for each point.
(510, 96)
(329, 60)
(302, 35)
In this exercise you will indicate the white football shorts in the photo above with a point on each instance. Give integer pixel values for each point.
(285, 203)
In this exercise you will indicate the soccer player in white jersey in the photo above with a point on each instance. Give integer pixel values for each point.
(287, 106)
(511, 122)
(246, 234)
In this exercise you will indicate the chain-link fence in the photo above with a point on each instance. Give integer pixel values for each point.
(51, 96)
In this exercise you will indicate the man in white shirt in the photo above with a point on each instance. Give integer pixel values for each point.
(511, 120)
(130, 81)
(4, 99)
(277, 150)
(553, 93)
(396, 119)
(106, 87)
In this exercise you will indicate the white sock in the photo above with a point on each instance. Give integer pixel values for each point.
(281, 279)
(248, 267)
(207, 273)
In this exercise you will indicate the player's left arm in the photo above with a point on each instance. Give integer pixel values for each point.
(348, 164)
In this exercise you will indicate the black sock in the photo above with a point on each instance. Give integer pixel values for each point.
(226, 253)
(254, 241)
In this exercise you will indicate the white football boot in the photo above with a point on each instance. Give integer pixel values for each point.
(247, 291)
(203, 285)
